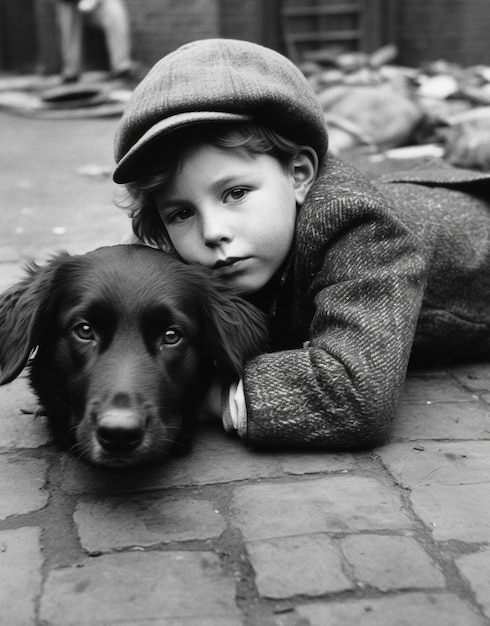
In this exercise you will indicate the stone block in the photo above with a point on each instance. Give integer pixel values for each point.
(17, 428)
(184, 588)
(215, 458)
(300, 463)
(329, 504)
(455, 512)
(434, 389)
(110, 523)
(20, 573)
(476, 569)
(390, 562)
(451, 463)
(309, 565)
(473, 376)
(22, 488)
(401, 610)
(10, 269)
(441, 420)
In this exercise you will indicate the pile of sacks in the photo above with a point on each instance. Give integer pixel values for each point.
(438, 109)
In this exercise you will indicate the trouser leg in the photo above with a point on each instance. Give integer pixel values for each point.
(112, 16)
(71, 30)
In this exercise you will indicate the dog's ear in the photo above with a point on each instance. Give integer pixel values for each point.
(24, 312)
(235, 331)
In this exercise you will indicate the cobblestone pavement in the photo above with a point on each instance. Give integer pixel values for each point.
(227, 536)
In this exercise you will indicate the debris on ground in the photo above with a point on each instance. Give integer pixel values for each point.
(368, 100)
(93, 170)
(45, 97)
(439, 110)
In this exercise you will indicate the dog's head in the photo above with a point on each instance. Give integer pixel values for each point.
(127, 340)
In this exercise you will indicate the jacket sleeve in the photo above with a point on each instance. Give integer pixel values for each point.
(365, 279)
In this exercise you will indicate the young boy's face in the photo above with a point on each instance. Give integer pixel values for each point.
(233, 212)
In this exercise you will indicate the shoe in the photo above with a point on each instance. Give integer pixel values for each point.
(69, 79)
(129, 76)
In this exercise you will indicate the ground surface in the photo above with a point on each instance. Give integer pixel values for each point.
(226, 536)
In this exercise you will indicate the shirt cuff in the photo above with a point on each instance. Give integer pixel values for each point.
(234, 409)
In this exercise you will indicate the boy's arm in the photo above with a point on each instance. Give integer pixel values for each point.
(340, 391)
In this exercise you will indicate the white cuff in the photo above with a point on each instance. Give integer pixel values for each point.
(235, 410)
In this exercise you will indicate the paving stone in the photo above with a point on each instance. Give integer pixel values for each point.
(313, 462)
(476, 569)
(452, 463)
(162, 588)
(290, 619)
(17, 429)
(24, 431)
(20, 573)
(402, 610)
(215, 458)
(9, 258)
(308, 565)
(474, 376)
(331, 504)
(388, 562)
(22, 485)
(434, 389)
(455, 512)
(441, 420)
(105, 524)
(10, 269)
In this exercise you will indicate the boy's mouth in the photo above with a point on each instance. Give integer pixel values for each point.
(226, 262)
(227, 268)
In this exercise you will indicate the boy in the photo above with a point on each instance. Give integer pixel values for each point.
(223, 151)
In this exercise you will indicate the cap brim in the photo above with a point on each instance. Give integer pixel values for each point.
(131, 167)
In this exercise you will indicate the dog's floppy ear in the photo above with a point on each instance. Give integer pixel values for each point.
(235, 331)
(24, 312)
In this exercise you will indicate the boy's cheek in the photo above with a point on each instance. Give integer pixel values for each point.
(191, 251)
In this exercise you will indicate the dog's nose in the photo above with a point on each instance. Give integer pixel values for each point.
(120, 430)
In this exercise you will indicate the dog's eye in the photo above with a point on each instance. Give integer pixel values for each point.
(171, 336)
(84, 331)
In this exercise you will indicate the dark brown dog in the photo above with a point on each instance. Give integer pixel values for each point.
(127, 340)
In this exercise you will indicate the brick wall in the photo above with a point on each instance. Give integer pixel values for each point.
(160, 26)
(238, 19)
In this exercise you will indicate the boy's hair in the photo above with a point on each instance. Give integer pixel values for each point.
(248, 138)
(216, 81)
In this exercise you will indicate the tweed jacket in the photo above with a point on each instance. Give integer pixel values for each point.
(379, 272)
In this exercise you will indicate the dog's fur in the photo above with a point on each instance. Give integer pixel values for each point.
(126, 340)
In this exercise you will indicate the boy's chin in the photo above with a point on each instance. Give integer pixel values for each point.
(247, 290)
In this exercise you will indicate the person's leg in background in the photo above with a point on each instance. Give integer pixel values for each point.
(112, 16)
(71, 30)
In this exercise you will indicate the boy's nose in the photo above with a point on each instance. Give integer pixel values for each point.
(215, 231)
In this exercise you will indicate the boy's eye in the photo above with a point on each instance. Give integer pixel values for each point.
(238, 193)
(180, 215)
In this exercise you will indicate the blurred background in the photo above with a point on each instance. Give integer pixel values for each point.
(400, 82)
(389, 73)
(422, 30)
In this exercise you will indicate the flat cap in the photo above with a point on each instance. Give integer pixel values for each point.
(216, 80)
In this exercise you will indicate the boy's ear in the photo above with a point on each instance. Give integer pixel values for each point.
(304, 170)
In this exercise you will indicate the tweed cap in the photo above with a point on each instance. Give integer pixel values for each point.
(216, 80)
